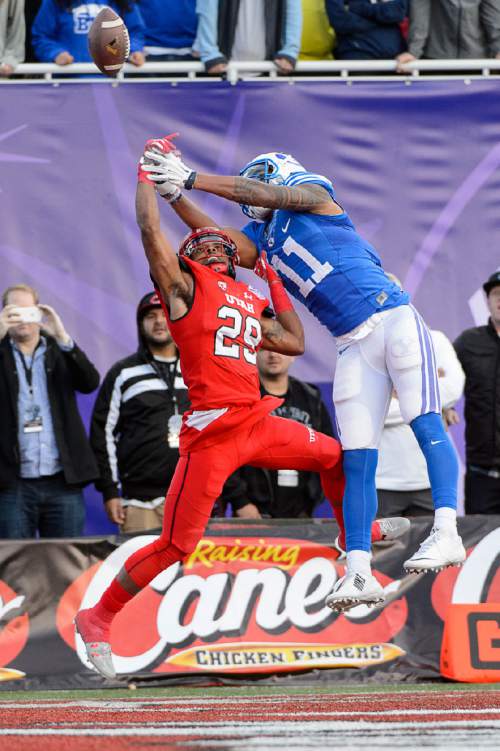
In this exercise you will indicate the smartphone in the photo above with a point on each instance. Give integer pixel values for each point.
(29, 314)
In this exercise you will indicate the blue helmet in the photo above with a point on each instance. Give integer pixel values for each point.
(278, 169)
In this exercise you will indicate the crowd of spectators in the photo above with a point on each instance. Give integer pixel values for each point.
(46, 457)
(217, 31)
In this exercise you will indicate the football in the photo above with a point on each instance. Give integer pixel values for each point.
(109, 43)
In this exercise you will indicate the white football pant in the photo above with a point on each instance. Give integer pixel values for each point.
(392, 349)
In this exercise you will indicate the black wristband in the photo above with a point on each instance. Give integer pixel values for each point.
(190, 181)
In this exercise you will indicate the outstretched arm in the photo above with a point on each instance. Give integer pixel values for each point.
(190, 214)
(163, 261)
(311, 198)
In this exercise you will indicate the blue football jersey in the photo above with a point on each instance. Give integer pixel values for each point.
(325, 264)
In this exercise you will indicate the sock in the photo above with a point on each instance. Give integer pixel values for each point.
(142, 567)
(442, 464)
(445, 518)
(358, 562)
(112, 601)
(333, 484)
(360, 497)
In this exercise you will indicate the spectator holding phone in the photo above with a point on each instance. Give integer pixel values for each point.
(45, 456)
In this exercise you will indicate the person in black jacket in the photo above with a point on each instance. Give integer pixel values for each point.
(367, 29)
(45, 457)
(282, 493)
(478, 350)
(136, 423)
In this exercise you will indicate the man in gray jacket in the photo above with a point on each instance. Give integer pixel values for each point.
(12, 33)
(453, 29)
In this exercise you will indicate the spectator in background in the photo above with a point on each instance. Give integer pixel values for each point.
(248, 30)
(453, 29)
(402, 480)
(136, 424)
(318, 38)
(478, 350)
(59, 32)
(12, 33)
(283, 493)
(45, 457)
(367, 29)
(170, 29)
(31, 8)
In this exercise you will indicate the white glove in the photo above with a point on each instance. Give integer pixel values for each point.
(166, 190)
(169, 192)
(169, 167)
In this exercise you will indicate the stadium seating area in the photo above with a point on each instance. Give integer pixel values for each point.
(215, 32)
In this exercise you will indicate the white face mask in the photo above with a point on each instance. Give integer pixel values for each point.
(258, 212)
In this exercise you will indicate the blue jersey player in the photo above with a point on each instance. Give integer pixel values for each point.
(382, 342)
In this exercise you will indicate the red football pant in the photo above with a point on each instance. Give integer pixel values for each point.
(273, 443)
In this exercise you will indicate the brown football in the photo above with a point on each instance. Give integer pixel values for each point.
(109, 43)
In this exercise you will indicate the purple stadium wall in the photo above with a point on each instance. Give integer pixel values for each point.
(417, 167)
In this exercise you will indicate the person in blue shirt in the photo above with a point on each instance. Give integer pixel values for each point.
(382, 343)
(170, 29)
(60, 29)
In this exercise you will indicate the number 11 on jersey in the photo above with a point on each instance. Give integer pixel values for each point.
(318, 270)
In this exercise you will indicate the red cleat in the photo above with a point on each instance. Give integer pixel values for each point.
(95, 636)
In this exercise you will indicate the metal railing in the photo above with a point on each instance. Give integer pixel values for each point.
(240, 70)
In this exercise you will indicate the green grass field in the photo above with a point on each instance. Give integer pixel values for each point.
(173, 692)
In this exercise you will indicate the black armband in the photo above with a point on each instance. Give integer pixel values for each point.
(190, 181)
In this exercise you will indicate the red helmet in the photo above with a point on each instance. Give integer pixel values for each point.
(198, 238)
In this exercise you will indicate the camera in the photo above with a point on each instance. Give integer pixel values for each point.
(29, 314)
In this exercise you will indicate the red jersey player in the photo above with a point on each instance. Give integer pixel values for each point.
(217, 324)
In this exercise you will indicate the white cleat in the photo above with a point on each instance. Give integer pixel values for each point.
(98, 650)
(382, 529)
(438, 551)
(340, 550)
(393, 527)
(355, 589)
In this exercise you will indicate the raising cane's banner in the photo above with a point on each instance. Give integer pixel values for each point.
(248, 601)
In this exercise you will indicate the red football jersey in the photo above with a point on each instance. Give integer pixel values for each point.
(218, 339)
